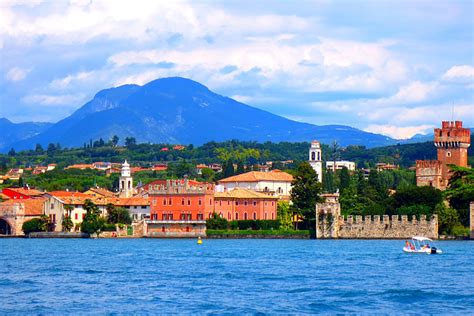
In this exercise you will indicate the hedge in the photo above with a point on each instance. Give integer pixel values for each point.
(211, 232)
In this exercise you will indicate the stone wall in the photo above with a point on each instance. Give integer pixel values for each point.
(176, 229)
(396, 227)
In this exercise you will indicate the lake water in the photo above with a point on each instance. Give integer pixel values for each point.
(232, 277)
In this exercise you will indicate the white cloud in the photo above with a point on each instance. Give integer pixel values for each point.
(455, 73)
(69, 100)
(63, 83)
(415, 91)
(16, 74)
(398, 132)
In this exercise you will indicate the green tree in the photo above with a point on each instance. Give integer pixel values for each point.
(448, 219)
(208, 174)
(460, 191)
(118, 215)
(39, 149)
(305, 192)
(228, 168)
(344, 179)
(114, 140)
(328, 181)
(12, 152)
(93, 221)
(130, 142)
(217, 222)
(284, 215)
(35, 225)
(67, 224)
(240, 167)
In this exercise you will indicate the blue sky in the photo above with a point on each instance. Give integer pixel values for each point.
(391, 67)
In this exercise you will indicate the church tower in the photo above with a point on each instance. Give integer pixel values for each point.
(452, 142)
(315, 159)
(125, 181)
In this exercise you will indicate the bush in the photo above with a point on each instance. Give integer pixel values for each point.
(33, 225)
(416, 210)
(109, 228)
(460, 231)
(255, 224)
(285, 232)
(217, 222)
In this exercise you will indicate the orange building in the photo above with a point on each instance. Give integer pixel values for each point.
(181, 200)
(245, 204)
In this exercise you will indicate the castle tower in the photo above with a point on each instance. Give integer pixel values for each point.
(315, 159)
(125, 181)
(452, 142)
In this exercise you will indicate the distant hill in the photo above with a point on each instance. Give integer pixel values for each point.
(14, 132)
(178, 110)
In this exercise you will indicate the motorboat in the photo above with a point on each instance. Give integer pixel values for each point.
(419, 244)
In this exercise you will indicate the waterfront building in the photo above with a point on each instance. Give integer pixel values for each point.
(14, 213)
(452, 142)
(274, 183)
(181, 200)
(316, 159)
(245, 204)
(350, 165)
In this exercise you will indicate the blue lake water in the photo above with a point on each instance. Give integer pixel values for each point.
(233, 277)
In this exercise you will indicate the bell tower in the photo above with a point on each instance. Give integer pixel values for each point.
(125, 181)
(452, 142)
(315, 159)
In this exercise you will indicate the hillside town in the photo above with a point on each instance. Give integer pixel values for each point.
(181, 207)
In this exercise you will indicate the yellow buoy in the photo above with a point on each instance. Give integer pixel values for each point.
(199, 240)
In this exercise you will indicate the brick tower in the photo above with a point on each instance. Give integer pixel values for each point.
(452, 142)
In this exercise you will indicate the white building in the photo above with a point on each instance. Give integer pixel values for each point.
(350, 165)
(274, 183)
(315, 159)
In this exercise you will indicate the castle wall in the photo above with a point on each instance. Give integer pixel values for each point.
(387, 227)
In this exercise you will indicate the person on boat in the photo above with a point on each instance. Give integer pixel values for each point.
(412, 247)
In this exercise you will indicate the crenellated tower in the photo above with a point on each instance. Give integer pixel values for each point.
(452, 142)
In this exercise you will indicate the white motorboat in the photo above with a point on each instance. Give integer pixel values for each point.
(419, 244)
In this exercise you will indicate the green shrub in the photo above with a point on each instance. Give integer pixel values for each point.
(460, 231)
(109, 228)
(217, 222)
(33, 225)
(285, 232)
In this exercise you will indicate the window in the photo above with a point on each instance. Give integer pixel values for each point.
(163, 229)
(245, 203)
(228, 216)
(273, 215)
(236, 202)
(52, 205)
(170, 216)
(200, 202)
(187, 229)
(164, 201)
(76, 216)
(189, 202)
(254, 215)
(83, 215)
(313, 156)
(448, 154)
(182, 201)
(189, 217)
(182, 217)
(169, 201)
(273, 203)
(228, 202)
(245, 216)
(254, 203)
(236, 216)
(200, 217)
(210, 201)
(143, 207)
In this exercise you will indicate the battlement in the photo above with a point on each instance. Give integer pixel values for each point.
(383, 219)
(180, 187)
(452, 134)
(428, 164)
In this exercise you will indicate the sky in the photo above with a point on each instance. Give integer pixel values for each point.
(391, 67)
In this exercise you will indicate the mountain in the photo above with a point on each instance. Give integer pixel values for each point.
(178, 110)
(14, 132)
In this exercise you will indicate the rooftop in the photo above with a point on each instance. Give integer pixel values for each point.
(256, 176)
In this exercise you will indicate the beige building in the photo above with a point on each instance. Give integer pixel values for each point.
(275, 183)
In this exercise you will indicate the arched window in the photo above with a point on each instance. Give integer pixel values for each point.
(265, 216)
(182, 201)
(236, 216)
(254, 215)
(313, 156)
(245, 216)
